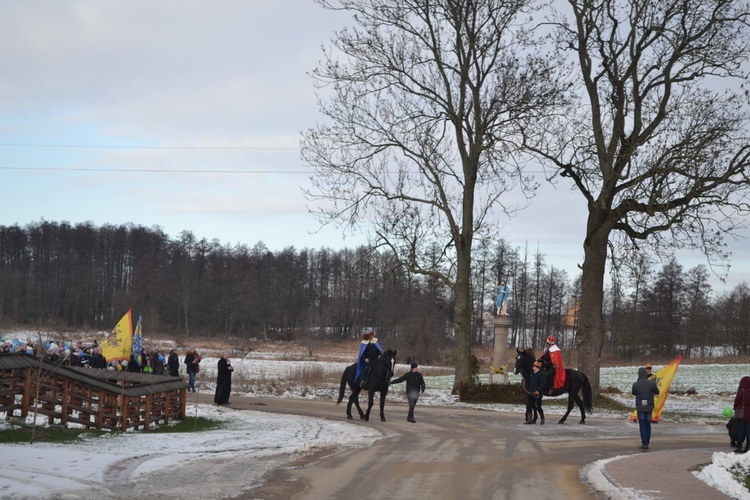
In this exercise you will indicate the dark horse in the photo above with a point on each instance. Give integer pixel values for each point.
(575, 381)
(377, 381)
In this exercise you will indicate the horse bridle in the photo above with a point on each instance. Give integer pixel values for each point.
(391, 366)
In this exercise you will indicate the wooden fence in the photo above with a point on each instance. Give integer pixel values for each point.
(92, 398)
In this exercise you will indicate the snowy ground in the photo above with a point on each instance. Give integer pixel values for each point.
(44, 470)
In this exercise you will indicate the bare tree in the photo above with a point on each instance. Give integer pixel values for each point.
(422, 99)
(699, 319)
(658, 156)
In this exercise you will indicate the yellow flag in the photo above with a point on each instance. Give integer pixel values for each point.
(664, 379)
(119, 342)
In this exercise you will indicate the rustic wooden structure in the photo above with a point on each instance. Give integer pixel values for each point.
(93, 398)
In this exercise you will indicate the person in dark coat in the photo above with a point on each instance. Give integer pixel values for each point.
(98, 360)
(644, 391)
(223, 380)
(134, 366)
(369, 351)
(173, 364)
(414, 386)
(742, 415)
(75, 357)
(537, 386)
(192, 366)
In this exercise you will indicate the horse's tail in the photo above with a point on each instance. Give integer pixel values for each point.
(587, 398)
(342, 387)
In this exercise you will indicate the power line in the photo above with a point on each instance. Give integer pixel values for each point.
(91, 146)
(158, 170)
(177, 171)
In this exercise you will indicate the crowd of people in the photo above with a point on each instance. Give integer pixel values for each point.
(144, 360)
(90, 355)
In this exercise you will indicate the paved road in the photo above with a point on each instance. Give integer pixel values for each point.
(465, 453)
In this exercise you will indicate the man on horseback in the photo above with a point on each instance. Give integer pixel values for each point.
(553, 365)
(369, 351)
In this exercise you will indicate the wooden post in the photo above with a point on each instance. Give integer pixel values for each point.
(123, 412)
(166, 407)
(26, 401)
(183, 403)
(64, 401)
(100, 410)
(147, 413)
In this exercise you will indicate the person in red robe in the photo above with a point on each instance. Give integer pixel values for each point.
(553, 363)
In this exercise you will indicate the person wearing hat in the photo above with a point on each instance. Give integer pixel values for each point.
(537, 384)
(553, 365)
(369, 351)
(644, 391)
(650, 375)
(414, 386)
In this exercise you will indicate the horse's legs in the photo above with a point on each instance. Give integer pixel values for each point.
(349, 408)
(579, 402)
(356, 403)
(382, 405)
(353, 400)
(570, 407)
(370, 396)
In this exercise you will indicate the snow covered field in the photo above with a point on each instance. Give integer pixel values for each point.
(45, 470)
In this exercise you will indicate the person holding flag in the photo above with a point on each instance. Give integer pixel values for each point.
(663, 379)
(644, 391)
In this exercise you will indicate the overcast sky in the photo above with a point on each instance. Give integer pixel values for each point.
(187, 115)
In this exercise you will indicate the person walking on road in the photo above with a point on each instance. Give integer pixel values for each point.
(644, 391)
(537, 385)
(414, 386)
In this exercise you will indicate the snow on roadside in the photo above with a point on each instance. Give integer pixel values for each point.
(45, 469)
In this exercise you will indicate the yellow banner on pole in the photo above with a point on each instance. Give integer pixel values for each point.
(119, 342)
(664, 379)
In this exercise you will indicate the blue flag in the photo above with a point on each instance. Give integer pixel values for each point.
(137, 338)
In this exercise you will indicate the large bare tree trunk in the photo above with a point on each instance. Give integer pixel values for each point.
(462, 320)
(590, 336)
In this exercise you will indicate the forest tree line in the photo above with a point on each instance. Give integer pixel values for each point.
(58, 275)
